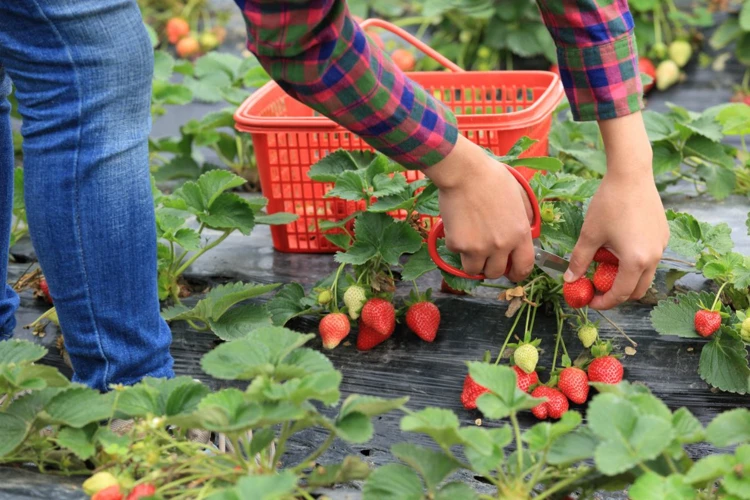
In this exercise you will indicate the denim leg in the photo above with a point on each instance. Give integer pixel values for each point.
(82, 70)
(8, 298)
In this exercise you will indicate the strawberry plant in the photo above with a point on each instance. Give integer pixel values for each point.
(733, 35)
(207, 204)
(197, 21)
(20, 227)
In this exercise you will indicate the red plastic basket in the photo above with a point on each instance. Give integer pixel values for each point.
(493, 109)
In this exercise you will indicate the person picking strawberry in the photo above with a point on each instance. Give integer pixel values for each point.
(84, 95)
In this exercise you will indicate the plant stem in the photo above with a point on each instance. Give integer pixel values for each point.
(633, 342)
(562, 484)
(678, 261)
(718, 295)
(202, 251)
(510, 333)
(557, 342)
(519, 444)
(314, 455)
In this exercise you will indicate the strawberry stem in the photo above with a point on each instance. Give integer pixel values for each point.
(633, 342)
(718, 296)
(334, 289)
(510, 333)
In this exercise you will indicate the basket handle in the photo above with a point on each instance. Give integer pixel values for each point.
(416, 42)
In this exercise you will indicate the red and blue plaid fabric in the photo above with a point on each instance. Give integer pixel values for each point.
(320, 56)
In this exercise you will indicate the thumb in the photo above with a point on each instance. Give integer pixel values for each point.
(581, 258)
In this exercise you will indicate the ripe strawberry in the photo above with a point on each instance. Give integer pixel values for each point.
(379, 315)
(605, 256)
(604, 277)
(526, 357)
(44, 288)
(524, 380)
(333, 329)
(141, 491)
(579, 293)
(574, 383)
(667, 74)
(555, 406)
(177, 29)
(354, 298)
(707, 322)
(645, 65)
(471, 392)
(404, 59)
(187, 47)
(607, 370)
(587, 334)
(446, 288)
(680, 51)
(109, 493)
(423, 318)
(369, 338)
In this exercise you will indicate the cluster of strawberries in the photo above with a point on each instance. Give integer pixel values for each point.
(377, 319)
(580, 293)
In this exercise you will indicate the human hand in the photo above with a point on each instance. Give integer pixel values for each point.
(485, 212)
(626, 215)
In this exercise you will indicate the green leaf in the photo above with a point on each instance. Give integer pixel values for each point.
(687, 427)
(544, 434)
(708, 150)
(184, 397)
(355, 428)
(428, 201)
(328, 168)
(709, 468)
(277, 219)
(399, 201)
(456, 491)
(441, 425)
(228, 411)
(208, 88)
(261, 440)
(378, 235)
(267, 487)
(666, 158)
(79, 441)
(351, 186)
(742, 51)
(564, 235)
(505, 397)
(371, 406)
(418, 264)
(214, 62)
(726, 33)
(240, 321)
(13, 431)
(188, 239)
(652, 486)
(78, 406)
(237, 360)
(229, 211)
(19, 351)
(351, 469)
(163, 65)
(690, 237)
(574, 447)
(385, 185)
(720, 181)
(659, 126)
(170, 93)
(729, 428)
(745, 17)
(705, 126)
(433, 466)
(454, 260)
(676, 315)
(392, 482)
(723, 362)
(735, 118)
(537, 163)
(286, 304)
(214, 183)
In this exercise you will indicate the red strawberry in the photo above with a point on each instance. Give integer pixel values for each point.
(604, 276)
(111, 493)
(177, 29)
(555, 406)
(607, 370)
(333, 329)
(579, 293)
(605, 256)
(379, 315)
(707, 322)
(423, 318)
(446, 288)
(574, 383)
(44, 288)
(471, 392)
(525, 380)
(646, 66)
(369, 338)
(141, 491)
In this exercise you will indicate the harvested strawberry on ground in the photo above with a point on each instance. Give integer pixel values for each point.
(604, 276)
(177, 29)
(471, 392)
(707, 322)
(604, 256)
(141, 491)
(333, 328)
(369, 338)
(588, 334)
(574, 383)
(555, 406)
(379, 315)
(110, 493)
(524, 380)
(578, 293)
(526, 357)
(355, 298)
(606, 370)
(446, 288)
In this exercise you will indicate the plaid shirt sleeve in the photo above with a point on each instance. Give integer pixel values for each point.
(597, 56)
(321, 57)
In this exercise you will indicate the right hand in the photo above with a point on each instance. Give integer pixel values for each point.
(485, 211)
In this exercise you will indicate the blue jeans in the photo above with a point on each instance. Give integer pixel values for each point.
(82, 71)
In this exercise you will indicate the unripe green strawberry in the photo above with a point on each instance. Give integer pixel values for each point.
(680, 52)
(587, 335)
(324, 297)
(526, 357)
(667, 74)
(745, 330)
(660, 50)
(355, 298)
(98, 482)
(548, 213)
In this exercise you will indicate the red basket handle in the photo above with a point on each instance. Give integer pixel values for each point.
(416, 42)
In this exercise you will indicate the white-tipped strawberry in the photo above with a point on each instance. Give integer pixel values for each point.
(334, 328)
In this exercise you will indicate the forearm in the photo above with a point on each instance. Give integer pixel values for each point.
(627, 146)
(321, 57)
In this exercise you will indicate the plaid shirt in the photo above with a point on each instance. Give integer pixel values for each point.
(321, 57)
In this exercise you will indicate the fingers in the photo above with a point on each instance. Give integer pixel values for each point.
(522, 261)
(496, 265)
(644, 284)
(473, 263)
(628, 278)
(581, 258)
